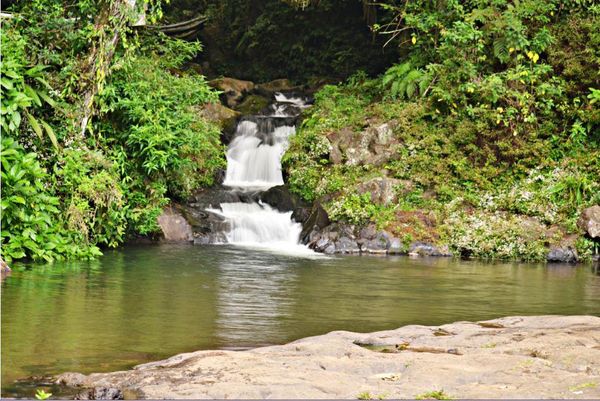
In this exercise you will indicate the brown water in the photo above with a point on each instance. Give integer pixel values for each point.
(145, 303)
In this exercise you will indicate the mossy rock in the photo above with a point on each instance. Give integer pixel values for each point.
(252, 104)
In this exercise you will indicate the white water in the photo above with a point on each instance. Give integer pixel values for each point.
(254, 162)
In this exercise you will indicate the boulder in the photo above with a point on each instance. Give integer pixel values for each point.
(379, 244)
(174, 226)
(224, 117)
(564, 254)
(268, 89)
(589, 221)
(345, 245)
(207, 227)
(233, 89)
(317, 219)
(384, 190)
(253, 104)
(280, 198)
(427, 249)
(4, 266)
(374, 146)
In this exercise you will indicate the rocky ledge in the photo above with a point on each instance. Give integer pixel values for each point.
(511, 357)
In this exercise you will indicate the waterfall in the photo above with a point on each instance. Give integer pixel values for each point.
(254, 164)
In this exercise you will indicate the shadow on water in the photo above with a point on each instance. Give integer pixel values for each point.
(146, 303)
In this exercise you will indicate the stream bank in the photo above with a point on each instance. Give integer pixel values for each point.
(511, 357)
(420, 231)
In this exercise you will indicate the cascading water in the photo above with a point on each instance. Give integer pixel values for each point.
(254, 164)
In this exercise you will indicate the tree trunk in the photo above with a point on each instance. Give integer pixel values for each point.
(110, 25)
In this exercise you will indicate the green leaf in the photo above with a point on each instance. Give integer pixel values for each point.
(34, 124)
(50, 133)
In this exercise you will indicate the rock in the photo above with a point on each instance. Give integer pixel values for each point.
(565, 254)
(379, 244)
(224, 117)
(207, 227)
(233, 89)
(317, 218)
(280, 198)
(252, 104)
(100, 393)
(589, 221)
(373, 146)
(345, 245)
(174, 226)
(501, 358)
(4, 267)
(384, 190)
(427, 249)
(397, 247)
(268, 89)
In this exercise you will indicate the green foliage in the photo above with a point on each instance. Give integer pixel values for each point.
(148, 143)
(40, 394)
(495, 122)
(88, 184)
(155, 120)
(495, 236)
(24, 89)
(31, 219)
(403, 81)
(433, 395)
(262, 40)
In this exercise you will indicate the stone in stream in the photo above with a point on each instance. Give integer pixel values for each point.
(511, 357)
(565, 254)
(233, 89)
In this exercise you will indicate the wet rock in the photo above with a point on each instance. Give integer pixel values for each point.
(316, 220)
(268, 89)
(174, 226)
(565, 254)
(397, 247)
(345, 245)
(253, 104)
(100, 393)
(589, 221)
(233, 89)
(379, 244)
(224, 117)
(280, 198)
(207, 227)
(427, 249)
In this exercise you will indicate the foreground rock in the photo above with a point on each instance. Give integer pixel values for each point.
(512, 357)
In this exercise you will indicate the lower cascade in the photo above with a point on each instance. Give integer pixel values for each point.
(254, 165)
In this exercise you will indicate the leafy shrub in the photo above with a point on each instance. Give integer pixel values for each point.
(154, 120)
(495, 236)
(31, 219)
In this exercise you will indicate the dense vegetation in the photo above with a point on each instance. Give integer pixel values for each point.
(262, 40)
(485, 121)
(495, 128)
(65, 192)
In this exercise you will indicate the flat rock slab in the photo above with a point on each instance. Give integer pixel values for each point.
(511, 357)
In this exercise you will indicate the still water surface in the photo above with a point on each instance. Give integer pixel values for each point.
(149, 302)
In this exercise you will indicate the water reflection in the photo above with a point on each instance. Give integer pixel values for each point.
(146, 303)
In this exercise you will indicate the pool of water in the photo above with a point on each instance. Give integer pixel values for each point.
(145, 303)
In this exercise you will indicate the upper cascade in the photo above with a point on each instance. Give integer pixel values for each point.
(254, 155)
